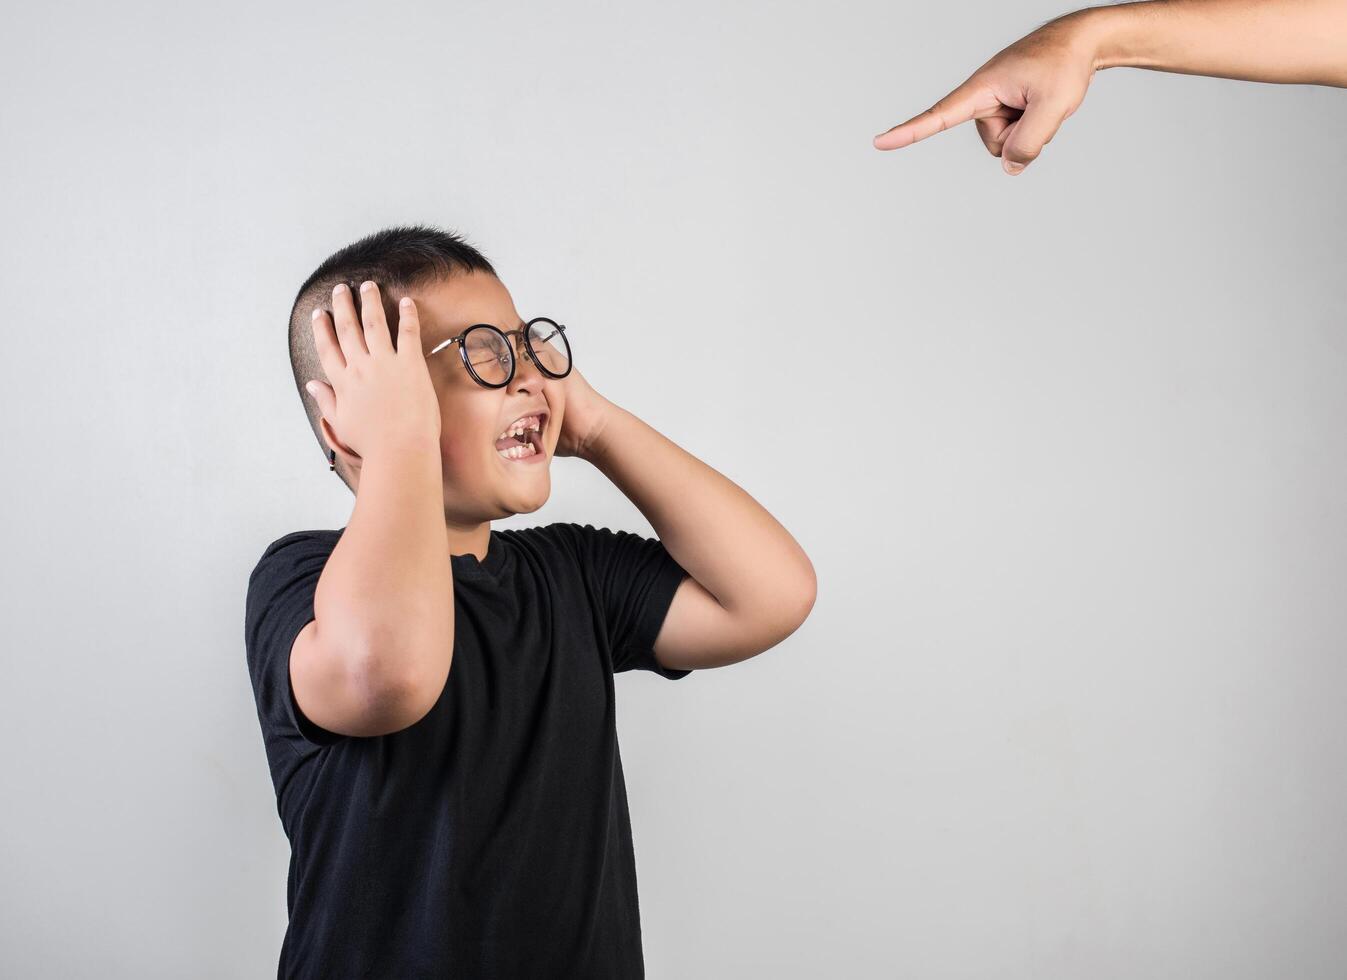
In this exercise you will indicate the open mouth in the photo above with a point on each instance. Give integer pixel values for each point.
(523, 439)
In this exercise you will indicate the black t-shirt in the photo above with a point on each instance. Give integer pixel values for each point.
(491, 838)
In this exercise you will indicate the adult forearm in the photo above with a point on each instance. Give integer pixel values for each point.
(1300, 41)
(721, 536)
(387, 589)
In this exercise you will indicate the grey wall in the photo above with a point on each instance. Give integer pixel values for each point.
(1066, 451)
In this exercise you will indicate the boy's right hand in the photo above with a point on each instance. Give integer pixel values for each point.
(378, 399)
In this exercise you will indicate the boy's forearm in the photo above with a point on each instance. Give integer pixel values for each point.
(721, 536)
(1300, 41)
(386, 593)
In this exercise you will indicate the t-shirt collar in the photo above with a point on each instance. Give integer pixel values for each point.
(468, 567)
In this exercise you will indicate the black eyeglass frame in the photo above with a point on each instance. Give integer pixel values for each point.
(505, 335)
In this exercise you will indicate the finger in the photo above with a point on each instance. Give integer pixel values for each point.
(324, 397)
(377, 338)
(1025, 139)
(957, 107)
(349, 334)
(325, 343)
(992, 132)
(409, 328)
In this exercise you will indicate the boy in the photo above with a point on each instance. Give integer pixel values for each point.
(436, 697)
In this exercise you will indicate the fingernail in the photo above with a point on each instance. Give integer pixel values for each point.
(308, 386)
(1013, 168)
(318, 311)
(336, 290)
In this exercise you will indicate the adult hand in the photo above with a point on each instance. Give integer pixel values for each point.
(1018, 99)
(1021, 97)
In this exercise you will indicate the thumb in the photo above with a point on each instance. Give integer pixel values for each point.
(1024, 140)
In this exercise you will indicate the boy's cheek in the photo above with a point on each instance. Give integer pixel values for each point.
(461, 461)
(453, 452)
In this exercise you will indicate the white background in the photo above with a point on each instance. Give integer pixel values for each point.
(1066, 451)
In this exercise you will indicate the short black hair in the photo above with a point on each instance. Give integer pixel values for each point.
(398, 259)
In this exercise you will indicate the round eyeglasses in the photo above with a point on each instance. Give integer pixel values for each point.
(488, 352)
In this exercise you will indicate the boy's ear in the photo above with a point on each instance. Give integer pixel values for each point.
(330, 437)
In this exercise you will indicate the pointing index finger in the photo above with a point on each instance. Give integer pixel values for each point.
(957, 107)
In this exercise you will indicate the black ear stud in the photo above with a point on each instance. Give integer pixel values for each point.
(332, 459)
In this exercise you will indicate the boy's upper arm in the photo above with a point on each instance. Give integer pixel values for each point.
(698, 632)
(279, 607)
(660, 617)
(303, 689)
(634, 579)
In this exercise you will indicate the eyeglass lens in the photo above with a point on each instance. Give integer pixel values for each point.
(490, 353)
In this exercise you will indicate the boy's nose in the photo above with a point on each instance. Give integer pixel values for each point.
(523, 361)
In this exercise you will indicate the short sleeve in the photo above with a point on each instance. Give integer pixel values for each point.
(635, 579)
(279, 604)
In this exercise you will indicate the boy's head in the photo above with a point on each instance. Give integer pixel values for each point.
(454, 287)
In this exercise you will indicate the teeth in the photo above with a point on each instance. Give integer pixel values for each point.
(527, 424)
(517, 452)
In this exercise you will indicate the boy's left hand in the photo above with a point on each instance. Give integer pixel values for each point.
(584, 417)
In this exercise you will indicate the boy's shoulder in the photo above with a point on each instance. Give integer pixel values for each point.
(563, 529)
(586, 544)
(557, 536)
(557, 529)
(295, 543)
(579, 538)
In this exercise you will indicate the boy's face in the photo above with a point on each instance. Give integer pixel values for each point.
(479, 483)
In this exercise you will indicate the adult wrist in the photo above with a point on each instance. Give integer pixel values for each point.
(1117, 36)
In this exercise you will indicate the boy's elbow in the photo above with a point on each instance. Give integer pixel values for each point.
(800, 610)
(788, 614)
(803, 599)
(397, 695)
